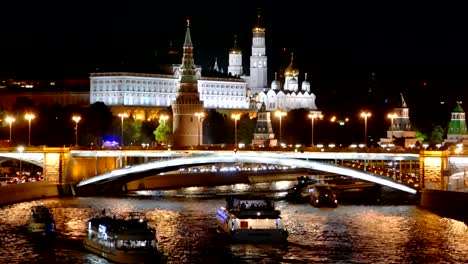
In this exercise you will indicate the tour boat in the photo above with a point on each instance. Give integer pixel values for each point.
(321, 195)
(251, 220)
(301, 191)
(41, 221)
(122, 240)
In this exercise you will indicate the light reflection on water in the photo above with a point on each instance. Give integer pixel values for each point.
(186, 233)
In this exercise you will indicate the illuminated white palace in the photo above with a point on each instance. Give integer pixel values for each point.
(129, 90)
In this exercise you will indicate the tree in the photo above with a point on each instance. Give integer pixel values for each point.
(437, 135)
(97, 121)
(163, 133)
(420, 136)
(246, 129)
(214, 123)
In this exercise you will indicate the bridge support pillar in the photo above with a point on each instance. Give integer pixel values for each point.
(434, 167)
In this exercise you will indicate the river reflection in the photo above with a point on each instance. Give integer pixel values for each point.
(185, 223)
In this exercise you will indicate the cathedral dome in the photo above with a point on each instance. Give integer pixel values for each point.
(275, 85)
(235, 49)
(305, 84)
(258, 26)
(291, 70)
(172, 51)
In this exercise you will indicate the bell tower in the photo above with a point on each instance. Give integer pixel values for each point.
(258, 59)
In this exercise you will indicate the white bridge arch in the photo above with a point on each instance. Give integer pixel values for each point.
(133, 172)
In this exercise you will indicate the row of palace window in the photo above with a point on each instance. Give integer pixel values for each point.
(170, 90)
(137, 82)
(165, 83)
(167, 102)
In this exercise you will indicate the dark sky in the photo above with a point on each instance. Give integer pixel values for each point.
(339, 44)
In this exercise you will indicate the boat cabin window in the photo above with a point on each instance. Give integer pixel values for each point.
(136, 244)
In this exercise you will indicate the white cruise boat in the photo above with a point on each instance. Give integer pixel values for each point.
(251, 220)
(41, 221)
(122, 240)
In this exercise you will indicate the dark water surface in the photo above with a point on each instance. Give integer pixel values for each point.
(185, 223)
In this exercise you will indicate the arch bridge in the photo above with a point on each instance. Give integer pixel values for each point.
(80, 168)
(120, 177)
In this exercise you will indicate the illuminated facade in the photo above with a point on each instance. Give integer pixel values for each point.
(145, 90)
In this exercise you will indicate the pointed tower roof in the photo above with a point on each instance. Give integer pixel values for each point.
(458, 108)
(262, 107)
(188, 69)
(215, 67)
(188, 39)
(403, 102)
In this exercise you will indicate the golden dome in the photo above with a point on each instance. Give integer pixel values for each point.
(235, 49)
(291, 70)
(258, 26)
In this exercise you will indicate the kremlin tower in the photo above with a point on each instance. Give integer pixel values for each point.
(187, 108)
(258, 60)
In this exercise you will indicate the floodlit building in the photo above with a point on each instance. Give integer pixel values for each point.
(142, 93)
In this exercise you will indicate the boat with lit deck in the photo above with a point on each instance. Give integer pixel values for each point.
(122, 240)
(251, 220)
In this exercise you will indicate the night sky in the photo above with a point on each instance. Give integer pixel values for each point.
(419, 50)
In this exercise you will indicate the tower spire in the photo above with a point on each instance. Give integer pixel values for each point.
(188, 39)
(403, 103)
(187, 69)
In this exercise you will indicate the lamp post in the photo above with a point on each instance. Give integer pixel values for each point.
(20, 150)
(163, 118)
(235, 117)
(365, 115)
(77, 119)
(29, 117)
(280, 115)
(392, 116)
(122, 116)
(312, 117)
(200, 116)
(10, 120)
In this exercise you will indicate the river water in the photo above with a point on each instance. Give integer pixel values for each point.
(186, 230)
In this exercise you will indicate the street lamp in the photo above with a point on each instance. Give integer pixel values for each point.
(20, 150)
(200, 116)
(392, 116)
(365, 115)
(312, 116)
(77, 119)
(10, 120)
(280, 115)
(29, 117)
(122, 116)
(163, 118)
(235, 117)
